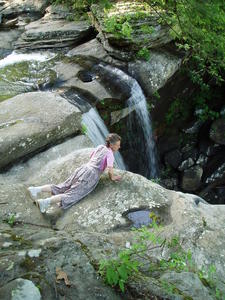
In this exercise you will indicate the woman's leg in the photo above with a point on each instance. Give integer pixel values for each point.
(56, 199)
(44, 204)
(46, 188)
(35, 190)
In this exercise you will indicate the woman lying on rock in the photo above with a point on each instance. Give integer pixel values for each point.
(83, 180)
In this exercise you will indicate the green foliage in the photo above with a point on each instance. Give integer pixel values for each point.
(202, 108)
(156, 95)
(126, 30)
(127, 264)
(204, 223)
(117, 271)
(147, 29)
(84, 129)
(179, 109)
(80, 7)
(201, 102)
(102, 102)
(11, 219)
(155, 180)
(171, 289)
(178, 261)
(144, 54)
(119, 26)
(198, 27)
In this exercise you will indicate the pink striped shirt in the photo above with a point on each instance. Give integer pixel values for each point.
(107, 161)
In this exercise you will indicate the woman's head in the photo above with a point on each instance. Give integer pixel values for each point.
(113, 141)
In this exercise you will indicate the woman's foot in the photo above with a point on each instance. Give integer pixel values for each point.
(34, 191)
(43, 204)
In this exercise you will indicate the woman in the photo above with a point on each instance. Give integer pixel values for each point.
(83, 180)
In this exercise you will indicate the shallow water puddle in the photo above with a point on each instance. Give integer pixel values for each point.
(140, 218)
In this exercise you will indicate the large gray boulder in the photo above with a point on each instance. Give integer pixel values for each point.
(53, 34)
(31, 121)
(44, 168)
(7, 39)
(217, 131)
(12, 7)
(95, 49)
(92, 90)
(49, 160)
(191, 179)
(154, 74)
(56, 12)
(146, 29)
(97, 228)
(188, 283)
(92, 48)
(20, 289)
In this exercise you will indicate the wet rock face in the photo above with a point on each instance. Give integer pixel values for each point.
(217, 131)
(18, 75)
(173, 158)
(32, 121)
(201, 161)
(154, 74)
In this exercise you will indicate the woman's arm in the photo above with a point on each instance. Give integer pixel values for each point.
(111, 176)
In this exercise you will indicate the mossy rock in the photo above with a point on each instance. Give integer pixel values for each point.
(25, 77)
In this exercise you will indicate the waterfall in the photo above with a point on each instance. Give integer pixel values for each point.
(15, 57)
(97, 132)
(138, 100)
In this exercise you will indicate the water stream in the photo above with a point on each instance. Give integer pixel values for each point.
(97, 132)
(138, 100)
(15, 57)
(22, 73)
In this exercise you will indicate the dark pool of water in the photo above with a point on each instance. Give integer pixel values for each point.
(140, 218)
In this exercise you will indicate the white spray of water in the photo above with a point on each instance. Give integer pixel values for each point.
(15, 57)
(97, 132)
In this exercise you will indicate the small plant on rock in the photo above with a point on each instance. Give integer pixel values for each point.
(84, 129)
(11, 219)
(143, 54)
(119, 270)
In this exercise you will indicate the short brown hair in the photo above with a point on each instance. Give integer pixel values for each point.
(112, 138)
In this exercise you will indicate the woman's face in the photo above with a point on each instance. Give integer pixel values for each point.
(115, 147)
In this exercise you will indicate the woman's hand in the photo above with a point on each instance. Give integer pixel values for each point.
(116, 178)
(112, 177)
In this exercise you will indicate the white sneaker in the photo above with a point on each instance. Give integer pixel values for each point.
(43, 204)
(33, 191)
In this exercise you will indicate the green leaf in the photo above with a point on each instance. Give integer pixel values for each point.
(121, 284)
(111, 275)
(123, 272)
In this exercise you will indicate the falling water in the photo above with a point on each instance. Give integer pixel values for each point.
(97, 132)
(137, 99)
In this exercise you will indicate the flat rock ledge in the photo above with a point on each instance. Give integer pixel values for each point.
(53, 34)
